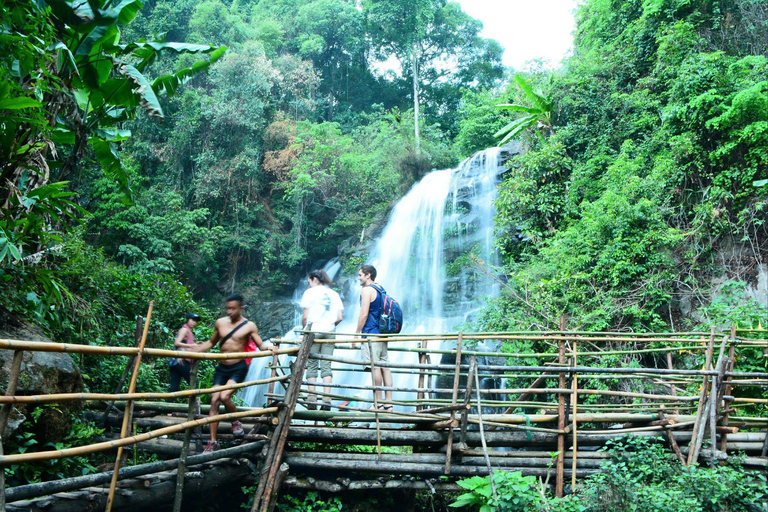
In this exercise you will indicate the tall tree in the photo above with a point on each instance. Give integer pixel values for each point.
(438, 47)
(401, 28)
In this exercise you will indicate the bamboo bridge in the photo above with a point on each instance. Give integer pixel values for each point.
(572, 399)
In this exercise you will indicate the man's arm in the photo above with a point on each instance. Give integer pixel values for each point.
(365, 307)
(207, 345)
(254, 333)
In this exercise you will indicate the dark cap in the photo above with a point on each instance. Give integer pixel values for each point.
(193, 316)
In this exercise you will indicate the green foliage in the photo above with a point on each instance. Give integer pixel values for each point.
(81, 433)
(646, 183)
(538, 112)
(310, 502)
(513, 492)
(642, 475)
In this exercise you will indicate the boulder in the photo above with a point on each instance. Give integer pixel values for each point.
(41, 373)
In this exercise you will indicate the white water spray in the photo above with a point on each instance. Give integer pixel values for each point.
(422, 261)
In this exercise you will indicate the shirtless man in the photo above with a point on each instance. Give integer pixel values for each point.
(230, 371)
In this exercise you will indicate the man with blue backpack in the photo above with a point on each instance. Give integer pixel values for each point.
(378, 313)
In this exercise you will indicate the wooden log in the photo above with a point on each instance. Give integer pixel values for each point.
(26, 492)
(216, 479)
(360, 485)
(377, 466)
(527, 454)
(128, 409)
(266, 488)
(437, 458)
(439, 438)
(281, 474)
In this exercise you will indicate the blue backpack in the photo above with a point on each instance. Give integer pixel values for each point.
(391, 319)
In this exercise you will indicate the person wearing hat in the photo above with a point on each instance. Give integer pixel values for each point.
(180, 367)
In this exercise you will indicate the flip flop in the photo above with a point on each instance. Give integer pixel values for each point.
(386, 408)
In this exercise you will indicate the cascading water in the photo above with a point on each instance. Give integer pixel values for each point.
(422, 261)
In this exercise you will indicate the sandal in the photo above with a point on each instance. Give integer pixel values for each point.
(386, 408)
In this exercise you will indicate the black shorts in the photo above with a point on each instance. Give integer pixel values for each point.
(227, 372)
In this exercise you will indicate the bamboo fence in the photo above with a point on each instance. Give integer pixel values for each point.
(558, 404)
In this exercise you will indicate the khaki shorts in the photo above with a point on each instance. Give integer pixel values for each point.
(380, 354)
(320, 348)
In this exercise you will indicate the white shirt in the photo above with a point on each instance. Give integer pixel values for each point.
(324, 305)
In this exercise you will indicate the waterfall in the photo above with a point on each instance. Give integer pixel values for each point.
(422, 261)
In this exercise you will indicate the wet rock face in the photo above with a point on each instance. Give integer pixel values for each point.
(41, 373)
(275, 318)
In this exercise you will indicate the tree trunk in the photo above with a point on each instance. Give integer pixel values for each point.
(415, 69)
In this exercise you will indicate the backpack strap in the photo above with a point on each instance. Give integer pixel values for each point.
(229, 335)
(378, 288)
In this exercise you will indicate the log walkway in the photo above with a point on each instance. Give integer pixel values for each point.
(544, 413)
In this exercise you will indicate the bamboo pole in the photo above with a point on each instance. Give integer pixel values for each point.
(179, 494)
(454, 397)
(267, 482)
(275, 364)
(672, 387)
(705, 417)
(375, 397)
(72, 348)
(70, 397)
(467, 398)
(128, 409)
(22, 458)
(482, 438)
(561, 419)
(13, 380)
(423, 359)
(703, 394)
(574, 407)
(539, 369)
(127, 369)
(728, 388)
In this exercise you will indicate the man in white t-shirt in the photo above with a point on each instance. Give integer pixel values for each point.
(322, 312)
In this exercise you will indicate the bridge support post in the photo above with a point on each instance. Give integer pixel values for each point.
(728, 388)
(268, 486)
(128, 409)
(182, 470)
(456, 377)
(467, 398)
(561, 419)
(13, 380)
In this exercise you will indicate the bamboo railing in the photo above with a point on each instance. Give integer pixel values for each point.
(558, 403)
